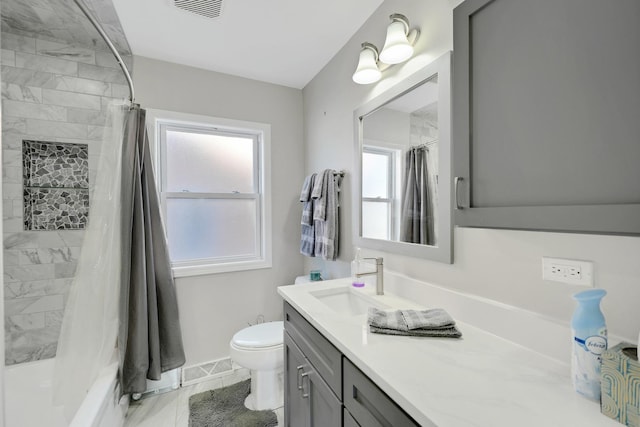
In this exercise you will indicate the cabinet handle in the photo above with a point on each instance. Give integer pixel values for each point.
(299, 379)
(456, 186)
(305, 394)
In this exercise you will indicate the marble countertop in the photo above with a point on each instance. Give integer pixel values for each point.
(480, 380)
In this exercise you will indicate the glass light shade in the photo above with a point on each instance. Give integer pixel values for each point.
(396, 48)
(367, 71)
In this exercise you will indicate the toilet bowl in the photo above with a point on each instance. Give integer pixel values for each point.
(259, 348)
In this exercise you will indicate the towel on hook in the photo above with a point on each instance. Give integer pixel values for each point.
(427, 323)
(326, 221)
(308, 235)
(307, 201)
(319, 194)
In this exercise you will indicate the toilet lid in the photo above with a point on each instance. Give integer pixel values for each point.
(262, 335)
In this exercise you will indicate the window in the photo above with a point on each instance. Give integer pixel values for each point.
(213, 182)
(380, 193)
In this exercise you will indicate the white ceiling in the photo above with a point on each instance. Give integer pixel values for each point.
(285, 42)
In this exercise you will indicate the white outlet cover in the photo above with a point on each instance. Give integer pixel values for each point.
(586, 271)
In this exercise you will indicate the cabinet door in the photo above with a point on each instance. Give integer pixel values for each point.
(296, 407)
(325, 410)
(324, 357)
(545, 115)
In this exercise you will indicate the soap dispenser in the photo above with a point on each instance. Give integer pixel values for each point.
(355, 269)
(589, 333)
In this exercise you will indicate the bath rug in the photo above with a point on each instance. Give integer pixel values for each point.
(224, 407)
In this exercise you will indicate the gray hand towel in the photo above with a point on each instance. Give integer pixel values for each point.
(424, 323)
(452, 332)
(307, 186)
(435, 318)
(386, 319)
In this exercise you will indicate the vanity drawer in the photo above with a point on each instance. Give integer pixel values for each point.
(369, 405)
(325, 358)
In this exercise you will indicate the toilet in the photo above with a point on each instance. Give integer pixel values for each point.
(259, 348)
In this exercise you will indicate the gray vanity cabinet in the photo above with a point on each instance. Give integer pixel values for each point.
(309, 402)
(313, 375)
(318, 377)
(546, 129)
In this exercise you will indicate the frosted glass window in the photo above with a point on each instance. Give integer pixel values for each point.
(375, 220)
(375, 175)
(214, 187)
(211, 228)
(209, 163)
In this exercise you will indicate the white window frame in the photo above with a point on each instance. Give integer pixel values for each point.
(159, 119)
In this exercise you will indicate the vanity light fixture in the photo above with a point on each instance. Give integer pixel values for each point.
(367, 71)
(398, 46)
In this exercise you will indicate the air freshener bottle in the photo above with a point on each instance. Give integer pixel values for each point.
(589, 333)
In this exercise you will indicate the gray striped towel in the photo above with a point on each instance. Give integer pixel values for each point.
(426, 323)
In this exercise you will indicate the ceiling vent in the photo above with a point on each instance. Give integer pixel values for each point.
(206, 8)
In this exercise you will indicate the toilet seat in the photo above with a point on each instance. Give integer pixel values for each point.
(264, 336)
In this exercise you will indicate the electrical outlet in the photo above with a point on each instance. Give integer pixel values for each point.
(571, 271)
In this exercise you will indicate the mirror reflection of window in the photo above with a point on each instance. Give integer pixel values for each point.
(380, 195)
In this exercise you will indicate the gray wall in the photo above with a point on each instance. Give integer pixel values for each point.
(214, 307)
(496, 264)
(51, 91)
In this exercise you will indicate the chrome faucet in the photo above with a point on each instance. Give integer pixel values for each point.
(378, 273)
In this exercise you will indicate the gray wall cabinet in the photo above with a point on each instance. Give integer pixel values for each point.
(316, 373)
(546, 108)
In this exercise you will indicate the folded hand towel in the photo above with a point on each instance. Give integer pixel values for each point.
(426, 323)
(435, 318)
(452, 332)
(386, 319)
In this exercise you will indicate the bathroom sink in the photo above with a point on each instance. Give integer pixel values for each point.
(347, 301)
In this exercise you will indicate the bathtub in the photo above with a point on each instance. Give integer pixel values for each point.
(28, 396)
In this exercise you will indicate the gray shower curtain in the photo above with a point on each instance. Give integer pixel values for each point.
(150, 339)
(416, 224)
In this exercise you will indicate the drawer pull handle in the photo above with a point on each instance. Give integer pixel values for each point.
(456, 185)
(299, 379)
(305, 394)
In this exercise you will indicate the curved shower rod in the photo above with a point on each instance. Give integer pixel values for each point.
(83, 7)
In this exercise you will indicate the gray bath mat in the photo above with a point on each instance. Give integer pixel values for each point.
(224, 407)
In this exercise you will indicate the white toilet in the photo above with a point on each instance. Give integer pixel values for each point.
(260, 349)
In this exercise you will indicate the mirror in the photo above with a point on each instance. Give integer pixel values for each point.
(403, 167)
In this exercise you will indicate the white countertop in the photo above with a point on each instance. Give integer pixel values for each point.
(480, 380)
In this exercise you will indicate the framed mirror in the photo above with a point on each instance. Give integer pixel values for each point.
(402, 194)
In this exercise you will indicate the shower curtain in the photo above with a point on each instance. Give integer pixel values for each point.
(123, 290)
(416, 223)
(150, 340)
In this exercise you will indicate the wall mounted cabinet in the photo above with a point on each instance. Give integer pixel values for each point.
(546, 101)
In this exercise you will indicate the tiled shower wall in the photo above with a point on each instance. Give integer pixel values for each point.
(51, 91)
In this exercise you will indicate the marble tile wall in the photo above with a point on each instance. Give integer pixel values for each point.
(52, 90)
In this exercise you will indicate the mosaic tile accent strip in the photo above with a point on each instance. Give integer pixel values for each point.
(55, 164)
(55, 209)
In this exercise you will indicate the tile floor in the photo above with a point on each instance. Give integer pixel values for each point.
(172, 409)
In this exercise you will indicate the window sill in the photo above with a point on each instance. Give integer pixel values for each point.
(201, 270)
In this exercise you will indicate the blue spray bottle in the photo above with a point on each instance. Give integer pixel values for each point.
(589, 342)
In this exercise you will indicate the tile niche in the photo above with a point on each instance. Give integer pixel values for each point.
(55, 185)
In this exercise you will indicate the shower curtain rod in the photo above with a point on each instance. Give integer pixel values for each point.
(83, 7)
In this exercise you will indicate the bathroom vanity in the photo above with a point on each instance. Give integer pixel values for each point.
(337, 373)
(322, 384)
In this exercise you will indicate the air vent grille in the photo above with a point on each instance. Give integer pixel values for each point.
(206, 8)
